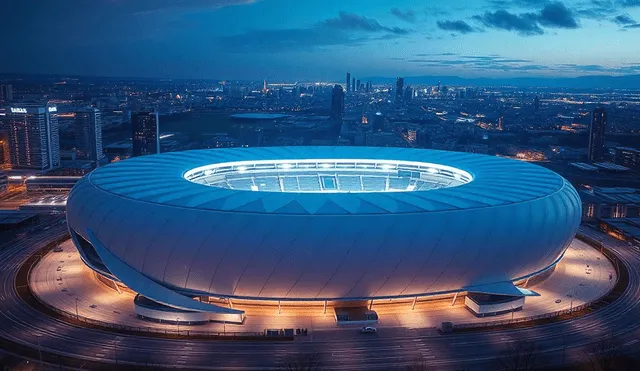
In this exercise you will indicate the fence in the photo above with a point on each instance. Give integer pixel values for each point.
(73, 317)
(620, 272)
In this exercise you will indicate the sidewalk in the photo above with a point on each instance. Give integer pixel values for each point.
(63, 281)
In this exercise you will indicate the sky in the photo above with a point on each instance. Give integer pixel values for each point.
(320, 40)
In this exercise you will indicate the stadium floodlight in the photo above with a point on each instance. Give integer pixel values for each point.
(326, 166)
(387, 167)
(432, 170)
(208, 172)
(254, 188)
(242, 169)
(286, 166)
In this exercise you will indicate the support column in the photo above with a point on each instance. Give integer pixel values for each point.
(324, 310)
(230, 303)
(414, 303)
(454, 299)
(371, 304)
(278, 306)
(116, 286)
(526, 283)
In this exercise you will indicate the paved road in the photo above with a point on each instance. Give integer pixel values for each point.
(337, 349)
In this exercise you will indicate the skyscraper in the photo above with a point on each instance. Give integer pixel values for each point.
(6, 93)
(337, 103)
(88, 124)
(34, 140)
(353, 84)
(596, 134)
(358, 85)
(145, 134)
(399, 89)
(348, 81)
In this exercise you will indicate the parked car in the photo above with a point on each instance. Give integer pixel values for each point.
(368, 330)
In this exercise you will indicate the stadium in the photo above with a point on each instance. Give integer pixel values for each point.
(318, 224)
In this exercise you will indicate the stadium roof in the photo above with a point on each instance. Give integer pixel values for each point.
(160, 179)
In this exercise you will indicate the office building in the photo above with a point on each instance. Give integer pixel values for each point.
(6, 93)
(358, 85)
(399, 89)
(596, 134)
(353, 84)
(348, 82)
(337, 103)
(34, 141)
(145, 136)
(378, 122)
(88, 125)
(627, 157)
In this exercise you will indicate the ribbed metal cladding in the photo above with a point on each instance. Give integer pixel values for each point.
(513, 219)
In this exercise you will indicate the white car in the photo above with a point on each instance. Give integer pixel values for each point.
(368, 330)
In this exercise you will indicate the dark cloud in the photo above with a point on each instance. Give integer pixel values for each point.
(629, 3)
(355, 22)
(557, 15)
(407, 15)
(630, 26)
(552, 15)
(523, 24)
(456, 26)
(624, 19)
(347, 29)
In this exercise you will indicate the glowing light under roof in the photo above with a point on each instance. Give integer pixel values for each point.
(329, 176)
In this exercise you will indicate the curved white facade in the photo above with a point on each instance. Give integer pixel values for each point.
(508, 220)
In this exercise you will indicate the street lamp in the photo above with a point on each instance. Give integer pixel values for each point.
(39, 351)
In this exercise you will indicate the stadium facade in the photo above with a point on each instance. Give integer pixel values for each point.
(319, 224)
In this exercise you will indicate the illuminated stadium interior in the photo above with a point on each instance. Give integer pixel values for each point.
(329, 175)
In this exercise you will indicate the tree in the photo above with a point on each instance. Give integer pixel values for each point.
(419, 365)
(302, 362)
(519, 356)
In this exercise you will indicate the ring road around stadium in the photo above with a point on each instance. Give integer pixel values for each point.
(339, 224)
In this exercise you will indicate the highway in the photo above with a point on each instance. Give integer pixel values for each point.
(342, 349)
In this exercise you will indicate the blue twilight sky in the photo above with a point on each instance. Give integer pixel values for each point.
(320, 39)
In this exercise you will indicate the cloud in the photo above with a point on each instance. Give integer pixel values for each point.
(456, 26)
(347, 29)
(630, 26)
(523, 24)
(552, 15)
(407, 16)
(629, 3)
(624, 19)
(557, 15)
(351, 21)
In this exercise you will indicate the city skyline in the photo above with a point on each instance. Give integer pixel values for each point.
(256, 39)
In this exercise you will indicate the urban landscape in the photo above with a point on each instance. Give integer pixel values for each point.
(470, 213)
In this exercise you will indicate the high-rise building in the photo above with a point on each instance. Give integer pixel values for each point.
(88, 125)
(34, 139)
(353, 84)
(348, 81)
(378, 122)
(536, 104)
(408, 94)
(628, 157)
(358, 85)
(145, 134)
(6, 93)
(596, 134)
(368, 86)
(337, 102)
(399, 89)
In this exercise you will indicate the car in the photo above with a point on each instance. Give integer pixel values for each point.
(368, 330)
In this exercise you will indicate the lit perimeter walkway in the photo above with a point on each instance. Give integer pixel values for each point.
(63, 281)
